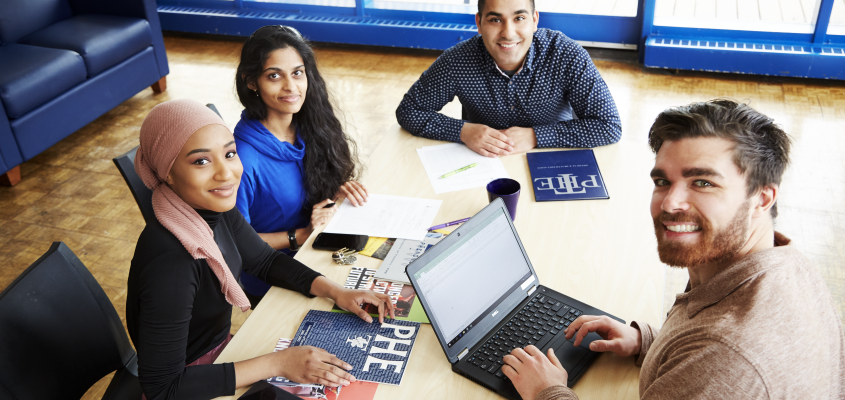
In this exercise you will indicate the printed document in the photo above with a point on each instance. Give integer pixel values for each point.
(442, 159)
(386, 216)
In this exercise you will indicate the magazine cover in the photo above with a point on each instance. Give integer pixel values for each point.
(378, 352)
(402, 253)
(385, 247)
(402, 295)
(303, 390)
(566, 175)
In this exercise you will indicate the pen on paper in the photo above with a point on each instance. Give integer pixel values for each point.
(460, 221)
(448, 174)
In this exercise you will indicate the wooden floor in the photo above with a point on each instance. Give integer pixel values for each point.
(73, 193)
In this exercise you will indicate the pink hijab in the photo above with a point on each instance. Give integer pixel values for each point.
(165, 130)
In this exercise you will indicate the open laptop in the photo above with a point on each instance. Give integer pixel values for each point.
(483, 299)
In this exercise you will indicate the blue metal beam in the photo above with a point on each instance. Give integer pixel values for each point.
(790, 59)
(823, 20)
(336, 29)
(380, 27)
(646, 13)
(361, 7)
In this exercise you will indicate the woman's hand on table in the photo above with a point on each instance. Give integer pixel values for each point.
(308, 364)
(355, 192)
(352, 300)
(320, 215)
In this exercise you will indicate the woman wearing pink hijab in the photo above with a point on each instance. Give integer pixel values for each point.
(182, 281)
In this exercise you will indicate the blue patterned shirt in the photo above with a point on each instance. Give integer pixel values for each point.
(558, 92)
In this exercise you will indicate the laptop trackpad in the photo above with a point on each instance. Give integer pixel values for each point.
(569, 355)
(590, 338)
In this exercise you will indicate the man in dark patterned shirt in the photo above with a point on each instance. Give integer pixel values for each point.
(521, 88)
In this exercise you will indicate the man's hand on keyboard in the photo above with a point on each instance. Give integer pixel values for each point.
(619, 338)
(531, 371)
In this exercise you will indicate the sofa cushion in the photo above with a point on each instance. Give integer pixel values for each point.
(19, 18)
(103, 41)
(30, 76)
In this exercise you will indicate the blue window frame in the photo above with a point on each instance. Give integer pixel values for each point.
(815, 50)
(382, 23)
(798, 50)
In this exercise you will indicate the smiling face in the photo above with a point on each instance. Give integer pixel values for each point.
(507, 28)
(283, 83)
(700, 205)
(207, 171)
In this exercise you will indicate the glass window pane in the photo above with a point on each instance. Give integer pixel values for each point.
(333, 3)
(837, 19)
(617, 8)
(444, 6)
(621, 8)
(788, 16)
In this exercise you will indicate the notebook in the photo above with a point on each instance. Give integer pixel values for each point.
(505, 307)
(566, 175)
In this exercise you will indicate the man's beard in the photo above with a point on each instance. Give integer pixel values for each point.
(712, 247)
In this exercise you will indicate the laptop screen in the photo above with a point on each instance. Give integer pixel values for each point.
(470, 276)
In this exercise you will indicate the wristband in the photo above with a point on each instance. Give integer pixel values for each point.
(294, 246)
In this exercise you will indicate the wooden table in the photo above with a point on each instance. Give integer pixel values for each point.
(602, 252)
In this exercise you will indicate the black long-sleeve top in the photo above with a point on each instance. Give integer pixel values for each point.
(176, 312)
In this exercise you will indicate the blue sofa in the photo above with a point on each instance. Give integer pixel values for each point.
(64, 63)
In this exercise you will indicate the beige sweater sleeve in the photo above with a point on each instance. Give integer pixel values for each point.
(648, 334)
(703, 369)
(557, 392)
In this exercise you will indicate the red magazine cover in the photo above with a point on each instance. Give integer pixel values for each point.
(402, 295)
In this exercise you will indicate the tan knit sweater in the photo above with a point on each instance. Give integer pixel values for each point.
(764, 328)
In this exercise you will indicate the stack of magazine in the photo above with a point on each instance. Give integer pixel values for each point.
(390, 278)
(402, 295)
(378, 352)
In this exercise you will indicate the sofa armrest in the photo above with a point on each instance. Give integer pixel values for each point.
(144, 9)
(10, 154)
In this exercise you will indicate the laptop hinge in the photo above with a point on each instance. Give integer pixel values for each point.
(463, 354)
(531, 291)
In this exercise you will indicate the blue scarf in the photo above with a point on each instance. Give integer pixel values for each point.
(253, 132)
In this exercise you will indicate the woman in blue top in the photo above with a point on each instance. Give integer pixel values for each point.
(295, 154)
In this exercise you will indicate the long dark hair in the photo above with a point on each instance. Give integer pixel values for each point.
(331, 156)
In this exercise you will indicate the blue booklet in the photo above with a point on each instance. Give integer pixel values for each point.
(377, 352)
(566, 175)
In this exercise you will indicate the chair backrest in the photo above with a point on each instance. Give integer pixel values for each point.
(143, 195)
(60, 333)
(214, 108)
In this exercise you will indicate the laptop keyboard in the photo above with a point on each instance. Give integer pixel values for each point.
(537, 323)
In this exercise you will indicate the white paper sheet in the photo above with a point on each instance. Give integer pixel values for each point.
(445, 158)
(386, 216)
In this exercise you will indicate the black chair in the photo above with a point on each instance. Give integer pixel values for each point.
(213, 108)
(61, 334)
(143, 195)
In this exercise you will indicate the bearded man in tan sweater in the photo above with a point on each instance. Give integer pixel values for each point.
(756, 320)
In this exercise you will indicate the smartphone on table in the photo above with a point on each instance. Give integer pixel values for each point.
(337, 241)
